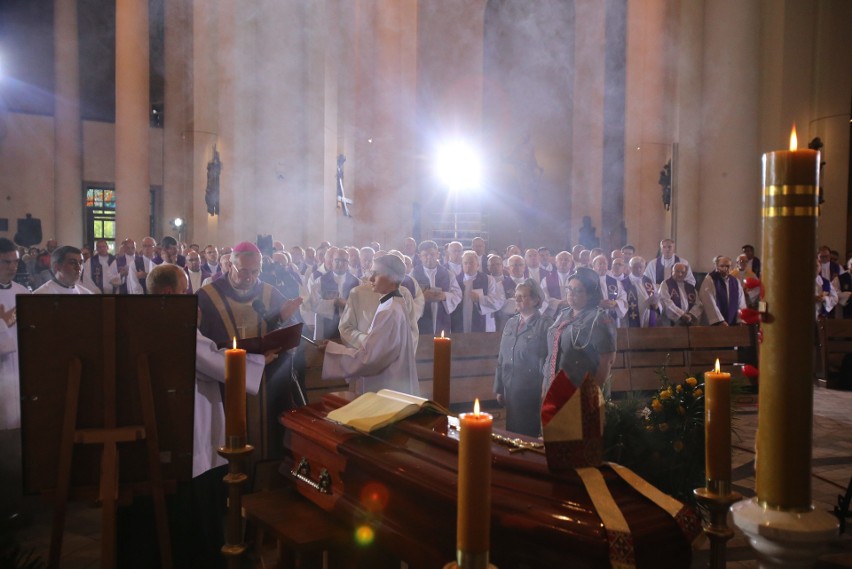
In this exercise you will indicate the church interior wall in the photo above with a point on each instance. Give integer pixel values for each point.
(381, 81)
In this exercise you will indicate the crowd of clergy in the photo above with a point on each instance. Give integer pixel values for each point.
(367, 307)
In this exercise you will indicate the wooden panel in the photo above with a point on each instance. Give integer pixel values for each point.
(620, 381)
(464, 345)
(618, 361)
(719, 336)
(837, 328)
(708, 357)
(656, 359)
(658, 338)
(843, 346)
(621, 339)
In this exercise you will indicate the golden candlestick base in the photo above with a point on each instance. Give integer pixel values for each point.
(234, 546)
(714, 508)
(454, 565)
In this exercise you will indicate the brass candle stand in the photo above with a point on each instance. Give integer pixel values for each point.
(714, 502)
(482, 565)
(235, 453)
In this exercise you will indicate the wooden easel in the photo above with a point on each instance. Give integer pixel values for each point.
(95, 398)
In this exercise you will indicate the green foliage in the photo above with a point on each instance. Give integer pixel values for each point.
(661, 438)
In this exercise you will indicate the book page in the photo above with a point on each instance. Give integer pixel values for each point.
(372, 411)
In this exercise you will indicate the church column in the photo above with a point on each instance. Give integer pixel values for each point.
(68, 220)
(686, 174)
(588, 134)
(177, 193)
(649, 118)
(132, 121)
(729, 196)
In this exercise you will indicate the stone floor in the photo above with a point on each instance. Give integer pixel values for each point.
(832, 468)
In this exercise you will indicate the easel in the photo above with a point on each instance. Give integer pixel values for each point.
(117, 349)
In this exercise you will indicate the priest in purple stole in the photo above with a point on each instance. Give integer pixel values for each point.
(722, 295)
(240, 305)
(440, 290)
(100, 273)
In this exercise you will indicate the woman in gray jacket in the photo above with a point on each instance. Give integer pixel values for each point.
(523, 349)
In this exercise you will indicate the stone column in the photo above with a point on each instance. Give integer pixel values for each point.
(132, 111)
(588, 133)
(177, 193)
(729, 192)
(68, 220)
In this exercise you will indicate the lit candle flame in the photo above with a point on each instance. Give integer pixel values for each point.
(794, 141)
(718, 369)
(476, 407)
(442, 333)
(235, 342)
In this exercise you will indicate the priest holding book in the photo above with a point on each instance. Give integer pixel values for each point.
(386, 358)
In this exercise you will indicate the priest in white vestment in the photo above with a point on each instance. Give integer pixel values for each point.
(67, 263)
(386, 359)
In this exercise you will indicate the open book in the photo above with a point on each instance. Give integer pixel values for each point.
(279, 339)
(373, 411)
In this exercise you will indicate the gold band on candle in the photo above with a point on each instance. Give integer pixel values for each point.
(790, 190)
(791, 211)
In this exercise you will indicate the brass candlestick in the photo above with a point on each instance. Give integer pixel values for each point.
(714, 512)
(454, 565)
(234, 545)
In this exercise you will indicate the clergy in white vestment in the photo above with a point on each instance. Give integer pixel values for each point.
(454, 257)
(660, 268)
(722, 295)
(10, 394)
(646, 292)
(614, 297)
(66, 263)
(555, 284)
(679, 300)
(360, 310)
(825, 294)
(100, 272)
(479, 298)
(193, 271)
(386, 358)
(10, 400)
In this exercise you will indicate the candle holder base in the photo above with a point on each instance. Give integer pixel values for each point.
(714, 512)
(454, 565)
(785, 538)
(234, 546)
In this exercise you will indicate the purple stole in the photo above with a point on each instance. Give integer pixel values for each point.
(541, 274)
(98, 271)
(826, 287)
(206, 272)
(180, 261)
(551, 281)
(612, 294)
(727, 300)
(139, 265)
(634, 319)
(649, 290)
(329, 290)
(509, 286)
(408, 283)
(477, 323)
(674, 293)
(660, 272)
(442, 282)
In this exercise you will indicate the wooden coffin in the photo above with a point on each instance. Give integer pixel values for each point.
(539, 518)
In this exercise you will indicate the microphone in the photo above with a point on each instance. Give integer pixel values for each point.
(271, 318)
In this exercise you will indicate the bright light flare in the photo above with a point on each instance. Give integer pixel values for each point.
(364, 535)
(458, 166)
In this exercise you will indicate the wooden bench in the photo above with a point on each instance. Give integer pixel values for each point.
(641, 352)
(302, 531)
(835, 342)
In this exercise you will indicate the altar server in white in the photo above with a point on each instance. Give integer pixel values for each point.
(386, 357)
(67, 263)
